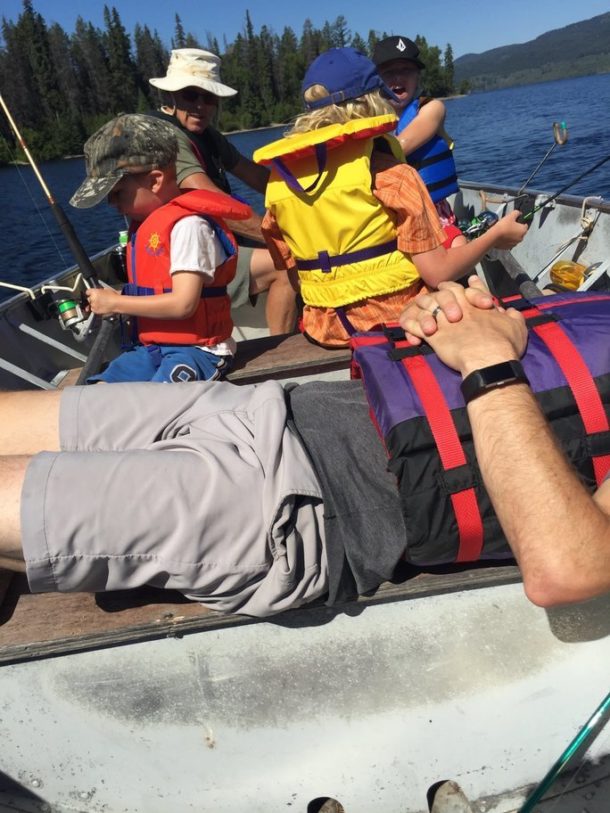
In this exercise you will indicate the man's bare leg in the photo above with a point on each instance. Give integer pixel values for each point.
(12, 473)
(30, 422)
(281, 309)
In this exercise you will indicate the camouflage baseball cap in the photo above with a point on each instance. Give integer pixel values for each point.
(130, 143)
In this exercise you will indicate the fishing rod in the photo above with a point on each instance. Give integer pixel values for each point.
(560, 137)
(581, 741)
(524, 218)
(69, 312)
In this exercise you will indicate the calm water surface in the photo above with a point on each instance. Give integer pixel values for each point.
(500, 138)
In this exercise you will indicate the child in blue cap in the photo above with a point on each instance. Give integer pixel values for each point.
(346, 216)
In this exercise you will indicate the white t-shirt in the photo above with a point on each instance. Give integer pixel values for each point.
(195, 247)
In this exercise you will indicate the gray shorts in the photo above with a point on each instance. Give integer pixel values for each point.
(197, 487)
(239, 287)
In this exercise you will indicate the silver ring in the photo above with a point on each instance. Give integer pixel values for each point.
(436, 312)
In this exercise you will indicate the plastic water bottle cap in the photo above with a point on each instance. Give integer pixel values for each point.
(122, 238)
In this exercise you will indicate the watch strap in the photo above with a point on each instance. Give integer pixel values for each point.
(489, 378)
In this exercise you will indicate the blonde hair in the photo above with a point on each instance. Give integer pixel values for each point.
(370, 104)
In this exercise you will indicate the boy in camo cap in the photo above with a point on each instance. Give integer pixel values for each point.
(180, 256)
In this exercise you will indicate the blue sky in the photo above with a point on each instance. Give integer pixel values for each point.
(470, 28)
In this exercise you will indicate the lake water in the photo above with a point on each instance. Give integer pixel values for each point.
(500, 138)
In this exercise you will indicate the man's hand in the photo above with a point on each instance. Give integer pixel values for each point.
(417, 320)
(479, 338)
(103, 301)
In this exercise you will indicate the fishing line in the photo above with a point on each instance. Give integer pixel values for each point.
(36, 206)
(78, 252)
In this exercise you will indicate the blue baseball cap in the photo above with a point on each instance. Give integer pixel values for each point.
(346, 74)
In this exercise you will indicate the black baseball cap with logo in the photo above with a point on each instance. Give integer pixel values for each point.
(392, 48)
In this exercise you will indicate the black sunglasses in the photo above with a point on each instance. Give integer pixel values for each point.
(191, 96)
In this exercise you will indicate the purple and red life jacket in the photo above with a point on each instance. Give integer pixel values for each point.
(418, 409)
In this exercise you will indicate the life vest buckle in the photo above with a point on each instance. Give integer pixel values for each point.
(324, 262)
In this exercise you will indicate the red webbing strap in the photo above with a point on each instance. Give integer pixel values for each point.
(451, 453)
(356, 342)
(581, 383)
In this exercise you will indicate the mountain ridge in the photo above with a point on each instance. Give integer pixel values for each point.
(578, 49)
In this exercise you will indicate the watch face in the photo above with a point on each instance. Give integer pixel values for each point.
(488, 378)
(501, 373)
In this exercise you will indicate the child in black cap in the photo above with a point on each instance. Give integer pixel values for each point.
(420, 128)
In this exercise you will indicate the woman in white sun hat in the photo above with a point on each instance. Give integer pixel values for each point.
(191, 91)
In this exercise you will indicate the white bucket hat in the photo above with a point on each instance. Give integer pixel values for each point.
(191, 67)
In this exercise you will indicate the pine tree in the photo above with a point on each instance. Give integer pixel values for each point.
(179, 39)
(191, 41)
(340, 36)
(151, 60)
(266, 71)
(359, 44)
(212, 44)
(289, 76)
(310, 43)
(235, 74)
(120, 63)
(371, 41)
(448, 68)
(93, 72)
(17, 79)
(68, 132)
(28, 46)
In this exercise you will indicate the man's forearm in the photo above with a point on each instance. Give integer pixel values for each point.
(248, 228)
(559, 535)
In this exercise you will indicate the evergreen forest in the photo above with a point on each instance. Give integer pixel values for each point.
(60, 87)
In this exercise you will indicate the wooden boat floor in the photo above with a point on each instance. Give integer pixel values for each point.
(50, 624)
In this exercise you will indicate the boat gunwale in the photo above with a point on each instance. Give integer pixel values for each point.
(191, 617)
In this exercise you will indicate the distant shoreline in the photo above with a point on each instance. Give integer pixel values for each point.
(256, 129)
(288, 123)
(224, 132)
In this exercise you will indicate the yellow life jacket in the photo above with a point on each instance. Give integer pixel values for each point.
(320, 192)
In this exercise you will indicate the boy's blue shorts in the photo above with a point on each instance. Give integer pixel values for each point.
(166, 363)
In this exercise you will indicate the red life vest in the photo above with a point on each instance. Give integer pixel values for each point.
(148, 264)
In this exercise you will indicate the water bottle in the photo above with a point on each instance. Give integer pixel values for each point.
(568, 273)
(121, 253)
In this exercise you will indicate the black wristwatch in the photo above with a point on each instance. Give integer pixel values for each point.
(488, 378)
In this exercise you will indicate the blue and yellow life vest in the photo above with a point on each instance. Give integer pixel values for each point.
(320, 192)
(433, 160)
